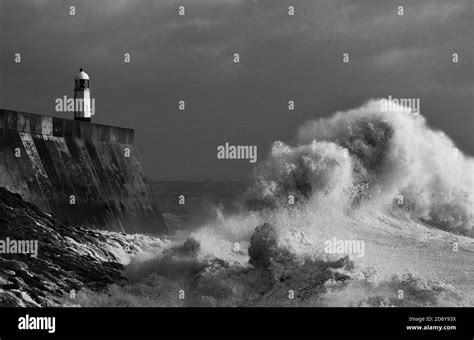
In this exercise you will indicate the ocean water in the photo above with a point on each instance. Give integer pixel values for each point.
(200, 201)
(383, 180)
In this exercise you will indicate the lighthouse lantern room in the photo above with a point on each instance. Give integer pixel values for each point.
(82, 97)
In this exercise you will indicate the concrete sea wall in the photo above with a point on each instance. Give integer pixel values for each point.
(83, 173)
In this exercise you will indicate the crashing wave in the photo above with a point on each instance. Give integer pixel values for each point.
(367, 157)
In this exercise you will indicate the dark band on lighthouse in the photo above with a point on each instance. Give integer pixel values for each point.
(82, 98)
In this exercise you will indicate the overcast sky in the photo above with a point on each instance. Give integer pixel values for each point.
(282, 58)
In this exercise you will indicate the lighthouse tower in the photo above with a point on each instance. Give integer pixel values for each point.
(82, 97)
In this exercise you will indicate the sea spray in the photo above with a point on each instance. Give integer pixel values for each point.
(346, 174)
(369, 156)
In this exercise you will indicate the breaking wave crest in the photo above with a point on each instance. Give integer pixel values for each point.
(387, 160)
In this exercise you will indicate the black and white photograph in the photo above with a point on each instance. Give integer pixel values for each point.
(168, 160)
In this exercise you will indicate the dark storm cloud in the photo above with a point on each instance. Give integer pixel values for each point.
(282, 58)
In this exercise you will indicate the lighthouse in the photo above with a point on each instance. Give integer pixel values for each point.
(82, 97)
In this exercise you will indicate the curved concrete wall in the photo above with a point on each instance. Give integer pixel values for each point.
(85, 174)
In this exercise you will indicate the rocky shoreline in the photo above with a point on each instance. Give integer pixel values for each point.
(73, 259)
(81, 267)
(69, 258)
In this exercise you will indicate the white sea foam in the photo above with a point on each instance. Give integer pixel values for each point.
(346, 173)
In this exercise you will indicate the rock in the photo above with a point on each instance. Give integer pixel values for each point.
(68, 257)
(263, 245)
(307, 277)
(264, 250)
(189, 248)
